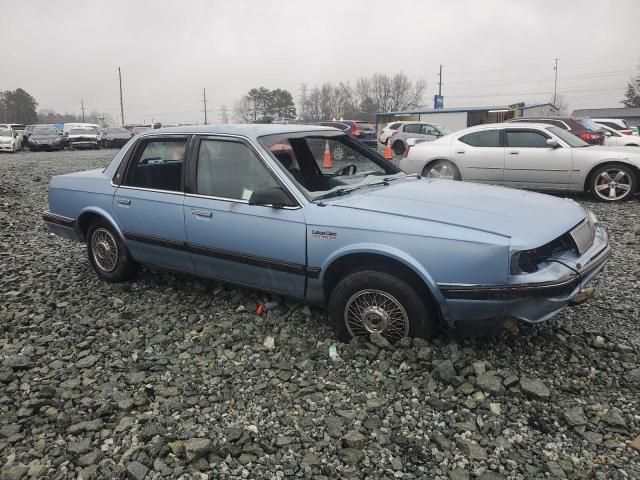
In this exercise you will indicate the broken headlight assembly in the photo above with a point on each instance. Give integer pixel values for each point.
(528, 261)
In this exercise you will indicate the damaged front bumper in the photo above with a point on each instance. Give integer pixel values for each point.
(531, 302)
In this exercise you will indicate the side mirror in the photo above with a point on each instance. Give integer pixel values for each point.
(607, 133)
(15, 135)
(275, 197)
(552, 143)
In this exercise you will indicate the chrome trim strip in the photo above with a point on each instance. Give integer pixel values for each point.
(233, 200)
(147, 189)
(61, 220)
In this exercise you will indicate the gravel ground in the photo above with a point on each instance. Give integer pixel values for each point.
(172, 376)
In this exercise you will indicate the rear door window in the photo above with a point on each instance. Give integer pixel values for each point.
(485, 138)
(412, 128)
(158, 166)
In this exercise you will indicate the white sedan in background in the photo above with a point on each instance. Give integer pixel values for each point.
(531, 156)
(10, 140)
(613, 138)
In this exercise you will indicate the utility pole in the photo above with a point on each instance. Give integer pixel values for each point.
(204, 99)
(303, 100)
(82, 107)
(121, 104)
(440, 81)
(555, 87)
(224, 115)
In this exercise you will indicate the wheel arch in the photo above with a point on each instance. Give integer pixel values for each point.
(386, 260)
(89, 216)
(441, 159)
(587, 179)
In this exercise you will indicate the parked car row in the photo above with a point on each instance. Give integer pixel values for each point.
(73, 135)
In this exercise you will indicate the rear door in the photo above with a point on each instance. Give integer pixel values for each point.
(480, 156)
(531, 163)
(148, 203)
(254, 245)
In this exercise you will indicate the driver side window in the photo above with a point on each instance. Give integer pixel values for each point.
(231, 170)
(158, 166)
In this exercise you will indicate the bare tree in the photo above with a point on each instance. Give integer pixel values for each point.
(243, 110)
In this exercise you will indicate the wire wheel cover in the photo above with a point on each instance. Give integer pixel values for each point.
(369, 311)
(104, 249)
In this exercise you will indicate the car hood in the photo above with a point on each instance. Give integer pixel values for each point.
(605, 151)
(529, 219)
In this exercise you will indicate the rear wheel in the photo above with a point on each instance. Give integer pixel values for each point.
(442, 169)
(371, 301)
(109, 257)
(613, 183)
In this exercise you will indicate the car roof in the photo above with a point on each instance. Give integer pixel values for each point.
(244, 130)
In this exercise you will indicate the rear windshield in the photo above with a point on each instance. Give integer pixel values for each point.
(365, 126)
(589, 124)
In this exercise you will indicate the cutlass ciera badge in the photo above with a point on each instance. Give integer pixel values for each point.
(323, 234)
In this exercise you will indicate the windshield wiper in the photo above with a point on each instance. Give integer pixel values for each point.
(336, 193)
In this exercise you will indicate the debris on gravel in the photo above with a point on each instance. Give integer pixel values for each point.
(170, 376)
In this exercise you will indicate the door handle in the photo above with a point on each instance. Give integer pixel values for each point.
(123, 201)
(201, 213)
(514, 152)
(459, 151)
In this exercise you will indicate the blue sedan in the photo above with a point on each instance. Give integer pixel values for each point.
(268, 207)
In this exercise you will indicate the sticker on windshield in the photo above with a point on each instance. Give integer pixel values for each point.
(323, 234)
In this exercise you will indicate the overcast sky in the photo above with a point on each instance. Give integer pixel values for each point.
(494, 51)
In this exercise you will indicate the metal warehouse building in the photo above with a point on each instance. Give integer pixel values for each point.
(459, 118)
(631, 115)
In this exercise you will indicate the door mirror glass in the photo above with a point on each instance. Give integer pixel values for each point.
(274, 196)
(607, 133)
(552, 143)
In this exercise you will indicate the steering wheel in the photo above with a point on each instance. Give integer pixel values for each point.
(345, 170)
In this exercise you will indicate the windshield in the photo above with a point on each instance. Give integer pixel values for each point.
(45, 131)
(118, 130)
(81, 131)
(18, 127)
(5, 132)
(567, 137)
(326, 163)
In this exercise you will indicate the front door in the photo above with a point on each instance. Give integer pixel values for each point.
(148, 204)
(531, 163)
(253, 245)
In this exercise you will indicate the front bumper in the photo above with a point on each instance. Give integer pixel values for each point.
(529, 302)
(6, 147)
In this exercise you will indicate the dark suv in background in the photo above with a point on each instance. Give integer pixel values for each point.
(358, 129)
(586, 129)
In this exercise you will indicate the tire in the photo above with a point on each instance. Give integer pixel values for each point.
(441, 169)
(103, 244)
(398, 147)
(614, 182)
(414, 317)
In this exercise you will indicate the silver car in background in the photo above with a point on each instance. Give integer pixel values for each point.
(399, 132)
(531, 156)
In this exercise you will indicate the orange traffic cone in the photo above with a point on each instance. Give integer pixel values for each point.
(388, 154)
(327, 162)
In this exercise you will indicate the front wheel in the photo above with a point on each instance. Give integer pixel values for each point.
(441, 169)
(613, 183)
(371, 301)
(109, 257)
(398, 147)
